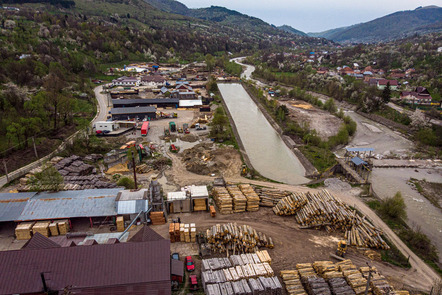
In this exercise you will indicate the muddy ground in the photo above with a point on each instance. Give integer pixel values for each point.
(325, 124)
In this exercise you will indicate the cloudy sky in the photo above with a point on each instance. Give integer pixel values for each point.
(314, 15)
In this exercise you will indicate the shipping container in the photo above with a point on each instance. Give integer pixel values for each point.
(145, 129)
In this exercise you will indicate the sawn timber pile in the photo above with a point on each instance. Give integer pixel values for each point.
(238, 239)
(323, 209)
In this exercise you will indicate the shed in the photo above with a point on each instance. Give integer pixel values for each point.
(13, 204)
(139, 113)
(199, 196)
(358, 161)
(178, 202)
(132, 202)
(176, 270)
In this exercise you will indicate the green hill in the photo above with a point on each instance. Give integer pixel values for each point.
(289, 29)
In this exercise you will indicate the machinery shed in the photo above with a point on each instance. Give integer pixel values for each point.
(178, 202)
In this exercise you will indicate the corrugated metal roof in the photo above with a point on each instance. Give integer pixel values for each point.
(198, 191)
(132, 207)
(97, 266)
(38, 241)
(12, 205)
(358, 161)
(69, 204)
(190, 103)
(117, 102)
(172, 196)
(360, 149)
(133, 110)
(103, 238)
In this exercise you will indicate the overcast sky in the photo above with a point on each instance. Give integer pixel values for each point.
(314, 15)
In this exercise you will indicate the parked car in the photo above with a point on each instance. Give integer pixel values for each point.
(201, 128)
(193, 280)
(190, 265)
(176, 256)
(106, 131)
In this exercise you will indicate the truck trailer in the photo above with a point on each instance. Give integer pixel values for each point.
(145, 128)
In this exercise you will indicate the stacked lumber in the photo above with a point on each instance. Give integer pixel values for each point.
(252, 197)
(239, 200)
(222, 199)
(212, 211)
(241, 287)
(356, 281)
(53, 228)
(316, 285)
(292, 282)
(271, 285)
(157, 218)
(378, 282)
(238, 239)
(23, 231)
(174, 232)
(340, 287)
(120, 223)
(290, 205)
(264, 256)
(322, 209)
(63, 226)
(327, 269)
(41, 227)
(192, 233)
(199, 205)
(305, 270)
(270, 197)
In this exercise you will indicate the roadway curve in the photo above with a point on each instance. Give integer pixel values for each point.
(101, 105)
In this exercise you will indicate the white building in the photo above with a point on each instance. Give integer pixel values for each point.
(126, 81)
(106, 126)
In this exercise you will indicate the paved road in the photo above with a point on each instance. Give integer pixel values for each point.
(410, 113)
(101, 106)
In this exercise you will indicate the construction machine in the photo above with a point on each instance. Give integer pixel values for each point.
(342, 248)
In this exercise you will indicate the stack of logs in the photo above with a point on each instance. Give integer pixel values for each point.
(323, 209)
(238, 239)
(239, 200)
(270, 197)
(292, 282)
(252, 197)
(222, 199)
(353, 277)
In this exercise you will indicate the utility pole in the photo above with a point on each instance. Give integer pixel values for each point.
(135, 173)
(6, 170)
(35, 149)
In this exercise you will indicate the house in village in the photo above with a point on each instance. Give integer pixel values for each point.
(126, 82)
(381, 84)
(153, 81)
(419, 96)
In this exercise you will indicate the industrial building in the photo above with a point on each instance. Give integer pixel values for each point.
(139, 102)
(139, 113)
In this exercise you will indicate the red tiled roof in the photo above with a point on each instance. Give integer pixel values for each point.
(384, 82)
(38, 241)
(111, 267)
(146, 234)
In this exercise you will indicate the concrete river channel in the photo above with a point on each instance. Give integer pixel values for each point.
(265, 149)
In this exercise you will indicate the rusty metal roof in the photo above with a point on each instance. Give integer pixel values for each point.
(112, 266)
(12, 205)
(69, 204)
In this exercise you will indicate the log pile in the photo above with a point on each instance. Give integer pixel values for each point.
(270, 197)
(327, 269)
(316, 285)
(305, 270)
(378, 282)
(238, 239)
(239, 200)
(292, 282)
(222, 200)
(252, 197)
(322, 209)
(340, 287)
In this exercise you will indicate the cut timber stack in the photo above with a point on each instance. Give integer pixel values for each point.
(120, 223)
(305, 270)
(212, 211)
(239, 200)
(238, 239)
(324, 210)
(316, 285)
(199, 205)
(264, 256)
(172, 236)
(222, 200)
(53, 228)
(252, 197)
(292, 282)
(270, 197)
(192, 234)
(23, 231)
(340, 287)
(378, 282)
(327, 269)
(177, 227)
(63, 226)
(157, 218)
(41, 227)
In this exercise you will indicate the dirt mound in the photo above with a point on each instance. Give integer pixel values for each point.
(189, 137)
(207, 158)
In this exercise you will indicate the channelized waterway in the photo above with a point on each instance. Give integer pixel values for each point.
(267, 152)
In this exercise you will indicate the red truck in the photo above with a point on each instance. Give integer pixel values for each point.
(145, 128)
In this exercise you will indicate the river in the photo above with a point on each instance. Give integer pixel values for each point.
(265, 149)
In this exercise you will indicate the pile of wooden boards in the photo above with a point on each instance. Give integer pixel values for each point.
(120, 223)
(305, 270)
(264, 256)
(63, 226)
(187, 232)
(323, 209)
(327, 269)
(222, 199)
(339, 286)
(157, 218)
(212, 211)
(270, 197)
(239, 200)
(53, 229)
(41, 227)
(293, 282)
(199, 205)
(353, 277)
(174, 232)
(238, 239)
(316, 285)
(23, 231)
(378, 282)
(252, 197)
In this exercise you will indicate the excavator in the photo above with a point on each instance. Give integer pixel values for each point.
(342, 248)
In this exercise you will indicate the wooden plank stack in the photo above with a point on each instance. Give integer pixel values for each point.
(239, 200)
(212, 211)
(238, 239)
(174, 232)
(157, 218)
(120, 223)
(41, 227)
(23, 231)
(305, 270)
(252, 197)
(264, 256)
(327, 269)
(63, 226)
(223, 200)
(316, 285)
(322, 209)
(199, 205)
(293, 282)
(270, 197)
(53, 228)
(339, 286)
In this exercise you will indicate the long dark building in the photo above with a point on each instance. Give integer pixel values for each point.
(129, 113)
(158, 102)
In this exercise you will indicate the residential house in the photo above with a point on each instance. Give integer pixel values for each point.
(383, 83)
(126, 82)
(419, 96)
(153, 81)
